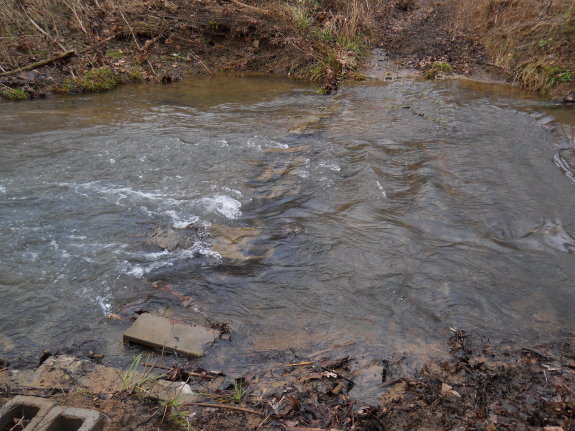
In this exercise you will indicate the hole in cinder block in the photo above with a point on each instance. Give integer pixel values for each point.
(18, 417)
(65, 423)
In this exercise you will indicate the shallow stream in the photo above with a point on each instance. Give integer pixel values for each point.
(365, 224)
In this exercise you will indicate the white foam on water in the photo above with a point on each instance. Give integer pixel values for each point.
(381, 189)
(121, 192)
(331, 166)
(104, 303)
(151, 256)
(164, 259)
(3, 189)
(301, 172)
(76, 237)
(236, 192)
(200, 248)
(223, 205)
(180, 222)
(223, 142)
(276, 144)
(30, 256)
(139, 270)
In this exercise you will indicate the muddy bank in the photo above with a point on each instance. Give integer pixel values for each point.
(85, 47)
(90, 47)
(155, 41)
(482, 387)
(528, 44)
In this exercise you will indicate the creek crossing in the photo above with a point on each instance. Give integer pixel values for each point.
(390, 213)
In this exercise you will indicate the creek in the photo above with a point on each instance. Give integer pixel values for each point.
(390, 213)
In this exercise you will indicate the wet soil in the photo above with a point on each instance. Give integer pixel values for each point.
(419, 32)
(482, 387)
(160, 42)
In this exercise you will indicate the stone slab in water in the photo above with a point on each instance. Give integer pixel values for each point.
(170, 335)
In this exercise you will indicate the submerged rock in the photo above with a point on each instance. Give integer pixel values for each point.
(162, 237)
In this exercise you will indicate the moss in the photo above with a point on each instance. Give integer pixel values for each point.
(442, 66)
(430, 73)
(14, 94)
(67, 87)
(134, 75)
(98, 80)
(436, 68)
(116, 54)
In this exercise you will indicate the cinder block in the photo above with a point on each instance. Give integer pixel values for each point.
(71, 419)
(32, 409)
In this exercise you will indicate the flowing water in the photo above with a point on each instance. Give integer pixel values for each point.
(390, 213)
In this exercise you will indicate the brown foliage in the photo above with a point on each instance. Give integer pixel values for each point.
(533, 39)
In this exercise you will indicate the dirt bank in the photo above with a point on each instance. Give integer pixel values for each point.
(482, 387)
(94, 46)
(56, 46)
(528, 43)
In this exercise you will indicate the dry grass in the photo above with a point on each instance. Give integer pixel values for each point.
(533, 39)
(320, 39)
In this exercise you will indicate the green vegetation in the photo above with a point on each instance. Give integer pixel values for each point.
(14, 94)
(115, 54)
(99, 80)
(541, 77)
(173, 413)
(239, 391)
(135, 382)
(436, 68)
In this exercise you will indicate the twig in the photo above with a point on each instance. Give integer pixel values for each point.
(18, 424)
(296, 428)
(338, 375)
(41, 30)
(131, 30)
(248, 7)
(223, 406)
(138, 425)
(299, 364)
(189, 373)
(263, 422)
(39, 64)
(198, 59)
(391, 383)
(77, 17)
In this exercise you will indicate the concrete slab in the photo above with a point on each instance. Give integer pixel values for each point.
(170, 335)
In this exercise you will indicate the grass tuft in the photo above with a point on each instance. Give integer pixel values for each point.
(14, 94)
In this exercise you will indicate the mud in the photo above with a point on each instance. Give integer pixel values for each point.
(482, 387)
(418, 33)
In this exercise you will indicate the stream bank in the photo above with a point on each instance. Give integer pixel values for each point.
(83, 47)
(481, 387)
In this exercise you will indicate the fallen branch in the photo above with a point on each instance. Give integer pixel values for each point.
(39, 64)
(188, 373)
(248, 7)
(223, 406)
(296, 428)
(299, 364)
